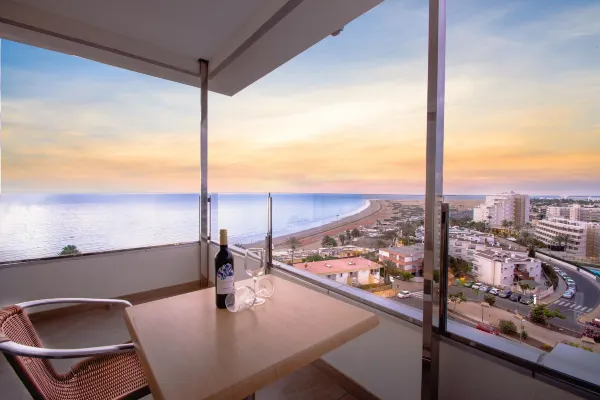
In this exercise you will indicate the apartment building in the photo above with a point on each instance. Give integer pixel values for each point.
(463, 243)
(558, 212)
(406, 258)
(585, 214)
(499, 267)
(350, 271)
(577, 233)
(510, 206)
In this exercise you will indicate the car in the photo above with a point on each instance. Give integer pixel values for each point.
(526, 300)
(469, 284)
(487, 328)
(562, 273)
(568, 294)
(495, 291)
(570, 281)
(484, 288)
(505, 294)
(476, 286)
(572, 286)
(556, 269)
(515, 297)
(403, 294)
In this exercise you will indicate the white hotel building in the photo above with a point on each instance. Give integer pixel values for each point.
(581, 236)
(511, 206)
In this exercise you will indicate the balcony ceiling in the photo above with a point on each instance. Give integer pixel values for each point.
(243, 40)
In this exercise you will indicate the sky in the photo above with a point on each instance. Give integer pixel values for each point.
(346, 116)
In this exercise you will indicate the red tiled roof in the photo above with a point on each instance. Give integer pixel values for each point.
(338, 266)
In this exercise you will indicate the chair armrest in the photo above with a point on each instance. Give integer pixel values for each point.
(17, 349)
(34, 303)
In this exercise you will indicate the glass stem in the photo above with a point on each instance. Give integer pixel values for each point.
(255, 279)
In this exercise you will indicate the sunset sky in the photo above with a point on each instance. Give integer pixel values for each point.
(348, 115)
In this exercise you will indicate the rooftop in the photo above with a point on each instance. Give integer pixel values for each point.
(338, 266)
(407, 250)
(500, 255)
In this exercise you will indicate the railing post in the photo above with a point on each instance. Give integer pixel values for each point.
(204, 228)
(433, 194)
(269, 237)
(443, 303)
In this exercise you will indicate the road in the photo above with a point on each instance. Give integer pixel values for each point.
(585, 300)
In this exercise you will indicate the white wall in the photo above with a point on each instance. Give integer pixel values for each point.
(105, 275)
(495, 379)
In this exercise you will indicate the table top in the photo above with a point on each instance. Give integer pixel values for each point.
(189, 349)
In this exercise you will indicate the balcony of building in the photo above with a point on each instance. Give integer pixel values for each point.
(384, 363)
(413, 352)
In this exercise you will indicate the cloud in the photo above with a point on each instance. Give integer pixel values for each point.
(518, 116)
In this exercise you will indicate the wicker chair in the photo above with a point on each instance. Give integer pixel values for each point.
(110, 372)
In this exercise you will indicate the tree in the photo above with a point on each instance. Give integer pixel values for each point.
(505, 223)
(436, 275)
(456, 298)
(293, 243)
(490, 299)
(380, 243)
(390, 235)
(531, 251)
(314, 257)
(541, 314)
(355, 233)
(405, 275)
(69, 250)
(459, 267)
(389, 268)
(342, 239)
(560, 239)
(328, 241)
(507, 327)
(348, 236)
(524, 287)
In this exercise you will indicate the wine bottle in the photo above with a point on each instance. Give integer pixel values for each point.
(223, 270)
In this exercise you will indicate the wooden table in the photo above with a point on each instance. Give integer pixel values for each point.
(189, 349)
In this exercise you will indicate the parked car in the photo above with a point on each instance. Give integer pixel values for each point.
(404, 294)
(568, 294)
(572, 286)
(505, 294)
(556, 269)
(476, 286)
(469, 284)
(495, 291)
(515, 297)
(484, 288)
(526, 300)
(570, 281)
(487, 328)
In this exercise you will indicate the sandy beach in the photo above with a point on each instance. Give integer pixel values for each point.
(377, 210)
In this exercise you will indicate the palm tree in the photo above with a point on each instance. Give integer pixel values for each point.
(348, 236)
(293, 243)
(560, 239)
(505, 223)
(69, 250)
(355, 233)
(343, 239)
(489, 217)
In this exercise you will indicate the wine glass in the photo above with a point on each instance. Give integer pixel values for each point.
(255, 266)
(241, 299)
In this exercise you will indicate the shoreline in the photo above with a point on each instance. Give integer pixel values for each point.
(377, 210)
(313, 235)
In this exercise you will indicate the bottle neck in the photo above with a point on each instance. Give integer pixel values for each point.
(223, 246)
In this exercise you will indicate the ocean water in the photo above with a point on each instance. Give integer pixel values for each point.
(34, 226)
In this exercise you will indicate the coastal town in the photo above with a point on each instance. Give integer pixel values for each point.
(525, 268)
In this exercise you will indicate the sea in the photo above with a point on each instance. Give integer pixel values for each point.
(38, 226)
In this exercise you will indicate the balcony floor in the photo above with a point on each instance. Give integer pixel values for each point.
(101, 327)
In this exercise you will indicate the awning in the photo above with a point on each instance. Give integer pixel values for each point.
(243, 40)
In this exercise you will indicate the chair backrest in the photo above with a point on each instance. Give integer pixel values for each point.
(37, 374)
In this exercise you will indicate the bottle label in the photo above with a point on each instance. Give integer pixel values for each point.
(225, 279)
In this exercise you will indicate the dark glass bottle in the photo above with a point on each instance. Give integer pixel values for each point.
(223, 270)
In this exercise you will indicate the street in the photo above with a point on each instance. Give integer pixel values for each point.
(585, 300)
